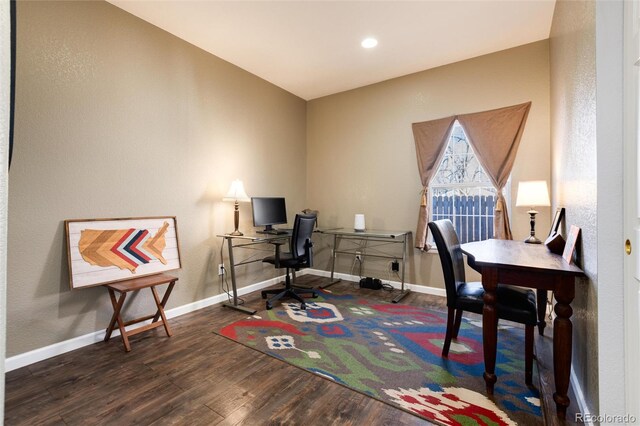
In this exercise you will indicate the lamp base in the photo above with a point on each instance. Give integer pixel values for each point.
(532, 236)
(236, 220)
(532, 240)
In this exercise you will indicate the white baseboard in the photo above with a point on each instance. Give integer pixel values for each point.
(60, 348)
(395, 284)
(50, 351)
(582, 403)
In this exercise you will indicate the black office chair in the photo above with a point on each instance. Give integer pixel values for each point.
(514, 304)
(299, 256)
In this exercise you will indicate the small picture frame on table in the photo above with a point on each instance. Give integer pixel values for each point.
(570, 245)
(555, 242)
(558, 217)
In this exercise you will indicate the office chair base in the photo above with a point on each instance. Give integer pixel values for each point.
(289, 292)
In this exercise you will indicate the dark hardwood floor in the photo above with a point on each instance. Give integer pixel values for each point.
(197, 377)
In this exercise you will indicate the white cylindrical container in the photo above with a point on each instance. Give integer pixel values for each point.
(358, 223)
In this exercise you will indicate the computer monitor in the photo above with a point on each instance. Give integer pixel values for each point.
(268, 211)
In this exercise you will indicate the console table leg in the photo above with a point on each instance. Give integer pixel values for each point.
(542, 309)
(562, 335)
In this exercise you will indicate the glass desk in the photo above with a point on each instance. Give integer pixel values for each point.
(238, 241)
(393, 237)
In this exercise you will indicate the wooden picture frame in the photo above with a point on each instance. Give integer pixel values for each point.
(102, 251)
(570, 245)
(558, 217)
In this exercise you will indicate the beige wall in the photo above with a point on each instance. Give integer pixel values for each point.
(361, 156)
(117, 118)
(574, 165)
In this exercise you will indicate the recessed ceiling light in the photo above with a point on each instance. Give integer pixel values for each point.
(369, 42)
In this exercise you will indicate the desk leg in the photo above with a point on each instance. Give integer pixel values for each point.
(562, 336)
(333, 262)
(489, 326)
(542, 309)
(232, 272)
(403, 292)
(117, 308)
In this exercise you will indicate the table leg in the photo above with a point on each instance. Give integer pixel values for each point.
(165, 298)
(562, 344)
(114, 317)
(117, 308)
(489, 326)
(542, 309)
(161, 311)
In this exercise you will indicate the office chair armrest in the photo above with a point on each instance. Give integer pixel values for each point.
(277, 244)
(308, 252)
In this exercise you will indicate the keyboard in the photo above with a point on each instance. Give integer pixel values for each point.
(274, 232)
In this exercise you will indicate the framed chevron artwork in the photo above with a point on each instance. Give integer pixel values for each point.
(102, 251)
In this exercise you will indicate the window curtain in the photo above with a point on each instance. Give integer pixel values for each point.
(431, 139)
(495, 136)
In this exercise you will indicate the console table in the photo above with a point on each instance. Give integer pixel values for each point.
(127, 286)
(526, 265)
(393, 237)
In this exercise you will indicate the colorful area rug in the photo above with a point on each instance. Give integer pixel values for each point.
(391, 352)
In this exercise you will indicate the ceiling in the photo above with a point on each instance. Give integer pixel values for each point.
(312, 48)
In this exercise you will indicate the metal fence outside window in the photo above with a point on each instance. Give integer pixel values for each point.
(472, 215)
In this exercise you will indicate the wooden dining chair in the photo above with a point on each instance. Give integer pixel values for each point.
(513, 304)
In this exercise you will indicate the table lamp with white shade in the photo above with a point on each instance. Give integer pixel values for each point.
(236, 193)
(533, 194)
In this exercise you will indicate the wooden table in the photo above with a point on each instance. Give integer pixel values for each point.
(526, 265)
(136, 284)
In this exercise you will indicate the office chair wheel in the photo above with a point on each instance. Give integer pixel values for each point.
(269, 306)
(303, 306)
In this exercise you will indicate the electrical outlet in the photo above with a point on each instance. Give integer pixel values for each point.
(395, 266)
(221, 269)
(359, 256)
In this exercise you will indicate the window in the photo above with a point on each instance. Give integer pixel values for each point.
(461, 191)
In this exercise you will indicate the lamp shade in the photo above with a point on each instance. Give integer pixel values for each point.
(533, 194)
(236, 192)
